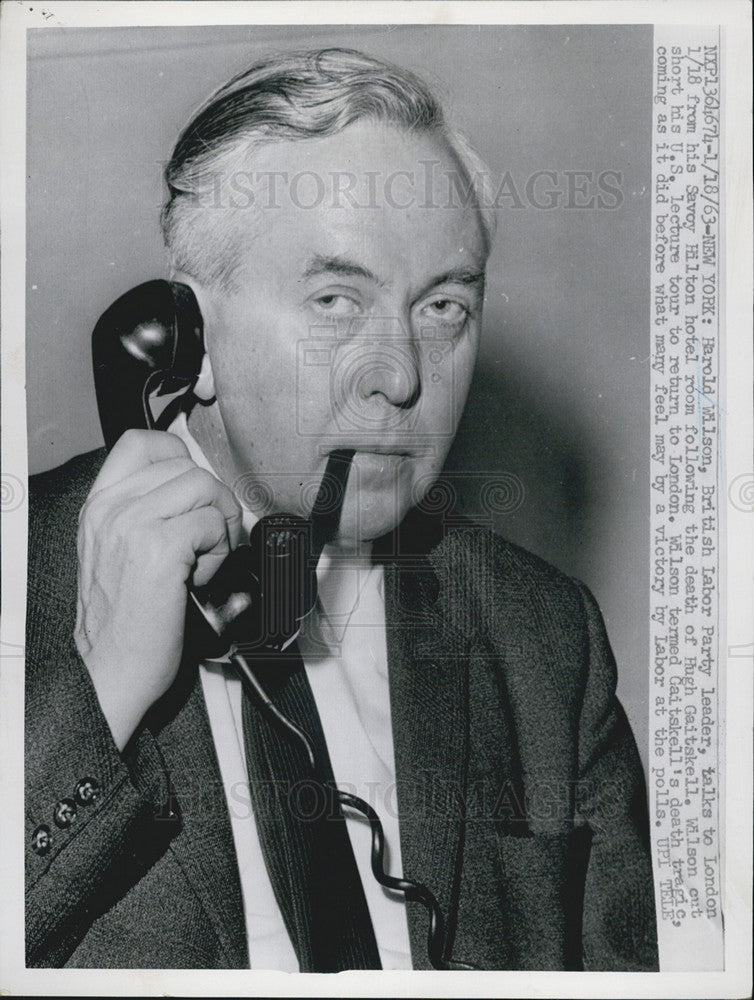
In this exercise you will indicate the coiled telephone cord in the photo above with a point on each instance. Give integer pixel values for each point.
(413, 891)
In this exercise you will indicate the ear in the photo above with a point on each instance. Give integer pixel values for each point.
(204, 387)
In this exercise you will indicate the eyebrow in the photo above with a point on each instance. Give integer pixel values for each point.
(320, 264)
(459, 276)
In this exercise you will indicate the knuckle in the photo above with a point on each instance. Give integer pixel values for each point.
(203, 478)
(126, 530)
(163, 472)
(182, 465)
(85, 511)
(231, 500)
(132, 439)
(91, 513)
(82, 546)
(173, 443)
(139, 441)
(158, 551)
(152, 533)
(216, 520)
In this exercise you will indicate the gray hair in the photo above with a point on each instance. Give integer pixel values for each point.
(296, 95)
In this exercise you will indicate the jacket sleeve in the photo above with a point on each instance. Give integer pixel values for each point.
(618, 924)
(91, 814)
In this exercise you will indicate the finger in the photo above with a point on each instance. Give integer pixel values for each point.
(192, 489)
(135, 449)
(207, 565)
(196, 534)
(102, 503)
(148, 478)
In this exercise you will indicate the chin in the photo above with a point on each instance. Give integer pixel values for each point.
(366, 523)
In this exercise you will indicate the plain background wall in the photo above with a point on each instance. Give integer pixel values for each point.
(560, 397)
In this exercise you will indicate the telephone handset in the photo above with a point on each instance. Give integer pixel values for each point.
(150, 342)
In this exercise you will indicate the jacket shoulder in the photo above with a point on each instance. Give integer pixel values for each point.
(66, 484)
(55, 499)
(537, 620)
(494, 561)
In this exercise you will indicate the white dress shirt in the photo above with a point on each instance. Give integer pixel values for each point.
(342, 644)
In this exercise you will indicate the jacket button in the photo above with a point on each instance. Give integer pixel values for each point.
(41, 840)
(86, 791)
(65, 812)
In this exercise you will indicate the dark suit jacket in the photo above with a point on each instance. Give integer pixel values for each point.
(520, 792)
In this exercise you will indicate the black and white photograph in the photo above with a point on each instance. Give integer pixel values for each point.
(376, 390)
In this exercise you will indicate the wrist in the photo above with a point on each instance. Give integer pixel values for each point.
(122, 708)
(122, 717)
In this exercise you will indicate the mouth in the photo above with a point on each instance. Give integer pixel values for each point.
(401, 449)
(378, 449)
(383, 467)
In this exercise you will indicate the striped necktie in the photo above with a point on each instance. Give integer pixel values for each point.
(301, 827)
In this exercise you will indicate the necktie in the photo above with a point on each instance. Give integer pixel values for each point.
(301, 827)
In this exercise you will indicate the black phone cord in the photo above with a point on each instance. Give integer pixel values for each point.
(413, 891)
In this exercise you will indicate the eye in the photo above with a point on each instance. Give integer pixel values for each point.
(448, 311)
(335, 304)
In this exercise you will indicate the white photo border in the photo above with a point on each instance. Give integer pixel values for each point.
(733, 17)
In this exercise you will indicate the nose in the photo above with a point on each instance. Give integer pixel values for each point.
(389, 373)
(380, 368)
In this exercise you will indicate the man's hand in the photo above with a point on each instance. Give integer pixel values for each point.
(152, 523)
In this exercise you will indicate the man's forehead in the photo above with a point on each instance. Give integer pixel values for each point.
(370, 202)
(366, 168)
(363, 147)
(303, 249)
(312, 221)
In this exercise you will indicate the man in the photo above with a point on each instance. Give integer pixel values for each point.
(459, 684)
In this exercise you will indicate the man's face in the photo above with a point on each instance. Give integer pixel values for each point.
(350, 327)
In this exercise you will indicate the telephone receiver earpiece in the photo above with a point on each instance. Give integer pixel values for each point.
(151, 341)
(151, 336)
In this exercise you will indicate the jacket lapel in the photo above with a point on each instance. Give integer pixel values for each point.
(427, 664)
(204, 846)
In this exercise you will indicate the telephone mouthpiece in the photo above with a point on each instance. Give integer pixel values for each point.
(264, 590)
